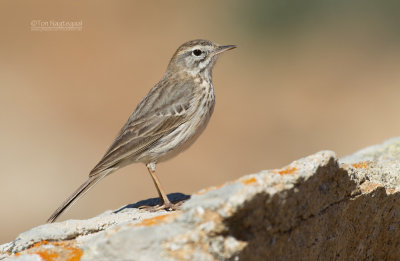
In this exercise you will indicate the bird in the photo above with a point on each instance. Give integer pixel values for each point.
(167, 121)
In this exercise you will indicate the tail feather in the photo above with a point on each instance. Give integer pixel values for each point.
(77, 194)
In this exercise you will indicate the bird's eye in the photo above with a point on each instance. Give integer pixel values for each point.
(197, 52)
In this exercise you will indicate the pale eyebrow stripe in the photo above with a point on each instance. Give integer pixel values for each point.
(191, 48)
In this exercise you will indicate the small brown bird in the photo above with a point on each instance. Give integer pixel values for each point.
(168, 120)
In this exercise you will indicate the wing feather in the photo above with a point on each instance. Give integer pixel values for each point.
(151, 120)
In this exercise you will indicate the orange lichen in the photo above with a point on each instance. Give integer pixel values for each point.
(152, 221)
(360, 165)
(287, 171)
(61, 251)
(38, 244)
(75, 255)
(47, 255)
(204, 191)
(249, 181)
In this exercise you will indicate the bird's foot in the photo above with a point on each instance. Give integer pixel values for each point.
(165, 206)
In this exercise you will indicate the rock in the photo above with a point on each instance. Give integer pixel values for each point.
(316, 208)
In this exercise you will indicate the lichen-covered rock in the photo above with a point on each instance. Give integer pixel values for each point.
(316, 208)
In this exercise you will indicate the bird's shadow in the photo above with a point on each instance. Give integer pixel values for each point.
(173, 197)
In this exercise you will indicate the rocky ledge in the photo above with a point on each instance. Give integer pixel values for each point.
(316, 208)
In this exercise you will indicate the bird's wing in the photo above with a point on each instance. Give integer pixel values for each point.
(154, 117)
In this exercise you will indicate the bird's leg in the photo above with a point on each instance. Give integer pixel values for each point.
(165, 203)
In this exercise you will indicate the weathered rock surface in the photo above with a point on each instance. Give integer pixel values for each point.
(316, 208)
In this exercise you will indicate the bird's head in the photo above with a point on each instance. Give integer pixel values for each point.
(196, 57)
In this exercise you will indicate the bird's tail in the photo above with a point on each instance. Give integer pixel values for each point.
(77, 194)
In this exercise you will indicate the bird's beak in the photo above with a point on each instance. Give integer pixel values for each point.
(224, 48)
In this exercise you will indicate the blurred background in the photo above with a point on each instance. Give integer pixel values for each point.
(306, 76)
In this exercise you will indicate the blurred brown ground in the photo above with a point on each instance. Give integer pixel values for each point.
(305, 77)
